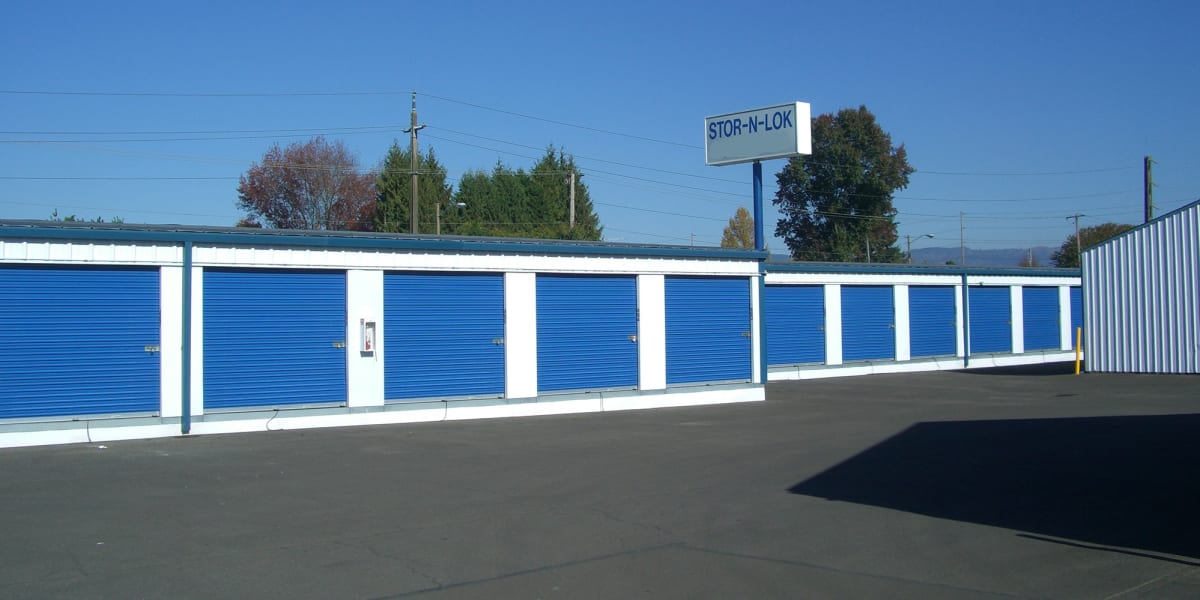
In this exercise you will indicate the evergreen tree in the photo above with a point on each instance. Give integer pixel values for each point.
(393, 187)
(532, 204)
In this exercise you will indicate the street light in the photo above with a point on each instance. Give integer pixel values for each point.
(908, 239)
(439, 213)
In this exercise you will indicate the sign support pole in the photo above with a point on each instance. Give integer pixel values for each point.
(760, 242)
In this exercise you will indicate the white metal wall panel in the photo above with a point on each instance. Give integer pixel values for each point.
(1076, 314)
(1141, 305)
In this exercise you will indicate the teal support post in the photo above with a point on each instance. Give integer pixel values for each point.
(185, 420)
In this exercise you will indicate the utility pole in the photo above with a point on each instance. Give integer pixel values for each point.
(868, 240)
(1078, 244)
(1148, 181)
(962, 240)
(412, 131)
(572, 182)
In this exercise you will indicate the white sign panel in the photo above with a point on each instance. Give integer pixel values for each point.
(760, 134)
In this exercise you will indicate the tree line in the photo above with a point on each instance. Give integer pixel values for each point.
(318, 185)
(837, 204)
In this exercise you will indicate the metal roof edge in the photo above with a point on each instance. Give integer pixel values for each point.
(350, 240)
(905, 269)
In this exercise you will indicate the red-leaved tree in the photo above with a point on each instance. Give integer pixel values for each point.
(308, 185)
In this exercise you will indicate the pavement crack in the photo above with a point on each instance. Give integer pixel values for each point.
(1151, 584)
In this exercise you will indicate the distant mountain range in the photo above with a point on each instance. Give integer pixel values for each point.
(1005, 257)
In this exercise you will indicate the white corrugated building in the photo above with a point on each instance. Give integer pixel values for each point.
(1142, 297)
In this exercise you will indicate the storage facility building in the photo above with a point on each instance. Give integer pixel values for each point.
(116, 332)
(1142, 297)
(827, 320)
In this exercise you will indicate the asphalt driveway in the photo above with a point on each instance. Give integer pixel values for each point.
(1002, 483)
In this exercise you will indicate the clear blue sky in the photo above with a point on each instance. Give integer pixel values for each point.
(1017, 114)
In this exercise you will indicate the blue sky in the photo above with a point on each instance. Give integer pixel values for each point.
(1016, 114)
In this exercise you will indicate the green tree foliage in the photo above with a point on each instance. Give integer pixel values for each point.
(1067, 256)
(519, 203)
(308, 185)
(393, 192)
(740, 231)
(77, 219)
(837, 202)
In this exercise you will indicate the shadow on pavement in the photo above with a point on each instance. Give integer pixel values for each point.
(1054, 368)
(1129, 481)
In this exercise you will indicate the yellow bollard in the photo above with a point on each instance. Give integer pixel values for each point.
(1079, 340)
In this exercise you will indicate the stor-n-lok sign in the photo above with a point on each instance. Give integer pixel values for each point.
(760, 134)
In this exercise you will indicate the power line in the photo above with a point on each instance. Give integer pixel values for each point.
(1023, 174)
(564, 123)
(196, 94)
(660, 212)
(581, 157)
(11, 178)
(185, 139)
(209, 131)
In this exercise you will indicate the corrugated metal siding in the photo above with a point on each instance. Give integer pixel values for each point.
(708, 329)
(1076, 313)
(1042, 328)
(270, 337)
(584, 326)
(868, 322)
(795, 323)
(991, 319)
(73, 341)
(1141, 294)
(443, 334)
(933, 320)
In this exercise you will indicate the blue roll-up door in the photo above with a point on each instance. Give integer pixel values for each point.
(933, 320)
(1042, 327)
(795, 322)
(274, 338)
(1076, 313)
(708, 329)
(443, 335)
(78, 341)
(991, 319)
(868, 322)
(586, 332)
